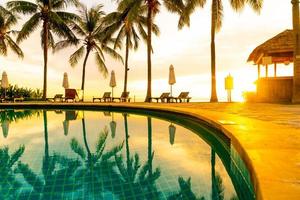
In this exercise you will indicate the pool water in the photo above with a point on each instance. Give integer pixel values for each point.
(69, 154)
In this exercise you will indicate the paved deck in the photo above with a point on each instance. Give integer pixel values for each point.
(267, 135)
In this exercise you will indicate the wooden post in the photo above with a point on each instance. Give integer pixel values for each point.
(275, 69)
(258, 71)
(296, 30)
(267, 71)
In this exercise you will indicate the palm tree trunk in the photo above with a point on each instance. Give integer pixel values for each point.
(149, 120)
(214, 193)
(46, 134)
(126, 64)
(85, 139)
(296, 28)
(149, 51)
(127, 144)
(83, 71)
(45, 39)
(213, 97)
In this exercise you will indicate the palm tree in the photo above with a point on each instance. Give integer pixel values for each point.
(96, 166)
(176, 6)
(9, 185)
(54, 20)
(185, 192)
(90, 28)
(129, 21)
(55, 170)
(216, 24)
(133, 175)
(7, 20)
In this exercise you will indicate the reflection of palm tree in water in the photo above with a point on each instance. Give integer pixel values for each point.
(216, 181)
(9, 186)
(185, 192)
(95, 175)
(55, 170)
(8, 116)
(137, 181)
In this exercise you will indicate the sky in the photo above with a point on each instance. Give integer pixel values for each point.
(187, 49)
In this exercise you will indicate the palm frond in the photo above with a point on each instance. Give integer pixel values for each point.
(217, 14)
(14, 47)
(112, 53)
(101, 64)
(74, 58)
(112, 152)
(63, 44)
(101, 142)
(3, 48)
(24, 7)
(29, 27)
(77, 148)
(16, 155)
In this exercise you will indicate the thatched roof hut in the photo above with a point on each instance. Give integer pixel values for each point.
(280, 48)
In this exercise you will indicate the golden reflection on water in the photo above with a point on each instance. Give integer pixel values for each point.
(189, 156)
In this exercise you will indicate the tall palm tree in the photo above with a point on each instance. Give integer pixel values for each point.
(176, 6)
(7, 20)
(129, 22)
(54, 21)
(90, 28)
(216, 24)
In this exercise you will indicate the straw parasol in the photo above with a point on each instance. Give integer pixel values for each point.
(5, 128)
(112, 82)
(172, 79)
(4, 82)
(66, 125)
(113, 126)
(172, 131)
(65, 83)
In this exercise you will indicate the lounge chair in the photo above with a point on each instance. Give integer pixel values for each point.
(70, 95)
(163, 97)
(18, 99)
(182, 97)
(124, 97)
(57, 97)
(106, 97)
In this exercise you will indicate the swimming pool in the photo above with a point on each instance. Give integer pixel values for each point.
(116, 154)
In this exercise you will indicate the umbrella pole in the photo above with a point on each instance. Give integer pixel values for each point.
(171, 90)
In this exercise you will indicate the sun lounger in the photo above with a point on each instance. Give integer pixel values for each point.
(57, 97)
(124, 97)
(182, 97)
(18, 99)
(163, 97)
(70, 95)
(106, 97)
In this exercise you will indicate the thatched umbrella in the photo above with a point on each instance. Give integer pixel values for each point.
(112, 82)
(172, 131)
(5, 128)
(113, 126)
(172, 79)
(65, 83)
(4, 82)
(66, 125)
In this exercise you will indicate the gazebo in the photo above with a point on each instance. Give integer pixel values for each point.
(277, 50)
